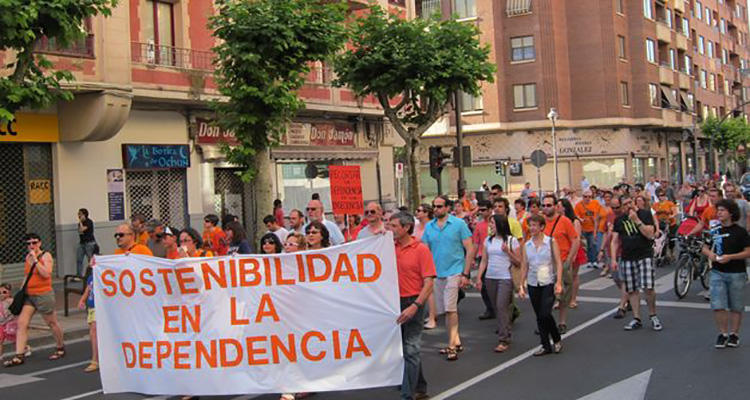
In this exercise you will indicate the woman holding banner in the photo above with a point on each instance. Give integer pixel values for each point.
(270, 244)
(191, 244)
(317, 236)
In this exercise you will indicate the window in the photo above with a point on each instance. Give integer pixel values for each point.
(722, 26)
(710, 49)
(158, 31)
(726, 87)
(517, 7)
(624, 96)
(471, 103)
(522, 48)
(429, 8)
(654, 95)
(621, 47)
(701, 45)
(648, 9)
(691, 102)
(650, 50)
(159, 194)
(619, 8)
(685, 27)
(673, 59)
(688, 63)
(724, 56)
(712, 82)
(698, 10)
(668, 19)
(524, 96)
(708, 16)
(703, 78)
(465, 8)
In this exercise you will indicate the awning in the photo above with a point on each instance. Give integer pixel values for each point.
(667, 93)
(322, 153)
(518, 7)
(686, 101)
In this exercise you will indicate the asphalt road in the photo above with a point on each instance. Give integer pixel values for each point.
(599, 360)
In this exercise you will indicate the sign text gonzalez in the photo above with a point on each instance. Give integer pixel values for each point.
(309, 321)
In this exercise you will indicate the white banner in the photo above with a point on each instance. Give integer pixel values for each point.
(304, 322)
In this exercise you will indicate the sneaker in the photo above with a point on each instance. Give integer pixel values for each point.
(721, 341)
(620, 314)
(733, 341)
(633, 325)
(655, 323)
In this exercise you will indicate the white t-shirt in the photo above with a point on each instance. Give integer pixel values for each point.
(281, 233)
(498, 261)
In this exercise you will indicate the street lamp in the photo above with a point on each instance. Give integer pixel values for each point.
(552, 116)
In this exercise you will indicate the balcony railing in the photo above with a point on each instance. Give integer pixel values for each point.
(169, 56)
(83, 47)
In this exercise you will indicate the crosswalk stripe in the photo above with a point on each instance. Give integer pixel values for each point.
(600, 283)
(8, 380)
(82, 395)
(664, 284)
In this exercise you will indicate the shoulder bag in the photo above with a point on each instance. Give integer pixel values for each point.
(19, 299)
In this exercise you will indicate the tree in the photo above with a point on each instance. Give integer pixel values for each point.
(413, 67)
(23, 23)
(263, 56)
(728, 135)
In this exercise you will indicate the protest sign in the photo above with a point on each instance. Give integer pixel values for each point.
(302, 322)
(346, 189)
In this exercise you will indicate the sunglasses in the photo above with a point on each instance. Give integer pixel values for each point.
(119, 235)
(290, 244)
(421, 210)
(269, 242)
(30, 242)
(482, 209)
(586, 197)
(616, 208)
(438, 206)
(188, 240)
(548, 205)
(311, 208)
(313, 232)
(371, 212)
(160, 235)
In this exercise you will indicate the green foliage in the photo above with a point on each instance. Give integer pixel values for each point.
(23, 23)
(262, 59)
(727, 135)
(424, 61)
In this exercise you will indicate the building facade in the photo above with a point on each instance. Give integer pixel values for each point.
(630, 81)
(140, 137)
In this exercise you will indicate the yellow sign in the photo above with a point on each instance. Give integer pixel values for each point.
(40, 191)
(29, 127)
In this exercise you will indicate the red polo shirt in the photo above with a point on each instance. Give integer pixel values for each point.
(414, 263)
(480, 235)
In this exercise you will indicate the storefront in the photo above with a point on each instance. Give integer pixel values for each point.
(26, 189)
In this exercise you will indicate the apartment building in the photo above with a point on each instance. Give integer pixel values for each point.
(630, 80)
(139, 137)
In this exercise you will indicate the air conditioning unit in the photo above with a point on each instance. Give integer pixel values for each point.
(151, 52)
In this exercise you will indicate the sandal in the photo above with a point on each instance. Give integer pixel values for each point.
(573, 304)
(459, 348)
(451, 354)
(287, 396)
(562, 328)
(58, 354)
(17, 360)
(27, 351)
(94, 366)
(501, 348)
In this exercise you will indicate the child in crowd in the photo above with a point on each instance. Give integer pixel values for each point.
(8, 323)
(87, 302)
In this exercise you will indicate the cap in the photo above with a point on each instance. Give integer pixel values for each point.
(170, 231)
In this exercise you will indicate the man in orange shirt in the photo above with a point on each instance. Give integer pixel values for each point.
(214, 238)
(589, 211)
(126, 244)
(709, 213)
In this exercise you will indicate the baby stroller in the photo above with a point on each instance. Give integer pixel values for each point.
(661, 249)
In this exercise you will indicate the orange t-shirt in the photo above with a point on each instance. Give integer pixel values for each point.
(664, 210)
(216, 240)
(135, 249)
(708, 214)
(142, 238)
(37, 283)
(173, 254)
(564, 234)
(587, 214)
(604, 217)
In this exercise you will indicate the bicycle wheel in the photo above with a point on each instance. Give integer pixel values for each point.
(705, 277)
(683, 276)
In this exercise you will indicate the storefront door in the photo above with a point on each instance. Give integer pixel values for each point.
(160, 194)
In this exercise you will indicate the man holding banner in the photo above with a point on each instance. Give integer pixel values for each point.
(416, 273)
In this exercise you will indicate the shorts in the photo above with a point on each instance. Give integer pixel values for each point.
(567, 279)
(638, 274)
(446, 294)
(91, 316)
(44, 303)
(727, 290)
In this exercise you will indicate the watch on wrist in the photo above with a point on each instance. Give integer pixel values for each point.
(465, 275)
(416, 303)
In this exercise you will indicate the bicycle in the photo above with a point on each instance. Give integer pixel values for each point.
(691, 265)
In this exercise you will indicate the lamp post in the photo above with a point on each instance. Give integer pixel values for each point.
(552, 116)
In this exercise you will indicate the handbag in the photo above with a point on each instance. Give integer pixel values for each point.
(19, 299)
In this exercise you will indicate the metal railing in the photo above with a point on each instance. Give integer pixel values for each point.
(84, 47)
(169, 56)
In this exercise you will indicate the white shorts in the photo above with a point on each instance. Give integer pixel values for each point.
(446, 294)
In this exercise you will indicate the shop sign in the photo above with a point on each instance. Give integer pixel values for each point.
(116, 194)
(319, 134)
(346, 189)
(574, 145)
(30, 128)
(40, 191)
(207, 132)
(155, 156)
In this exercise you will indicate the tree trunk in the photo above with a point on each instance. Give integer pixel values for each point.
(413, 199)
(263, 196)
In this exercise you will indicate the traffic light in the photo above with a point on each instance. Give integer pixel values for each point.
(500, 168)
(437, 161)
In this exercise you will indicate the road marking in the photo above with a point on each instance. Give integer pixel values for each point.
(60, 368)
(633, 388)
(600, 283)
(473, 381)
(8, 380)
(82, 395)
(664, 284)
(660, 303)
(67, 343)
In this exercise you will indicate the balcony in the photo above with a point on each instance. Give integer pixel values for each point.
(679, 6)
(663, 33)
(666, 75)
(684, 80)
(681, 42)
(83, 47)
(515, 8)
(171, 57)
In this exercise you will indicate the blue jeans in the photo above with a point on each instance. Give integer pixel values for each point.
(411, 340)
(727, 290)
(84, 250)
(592, 245)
